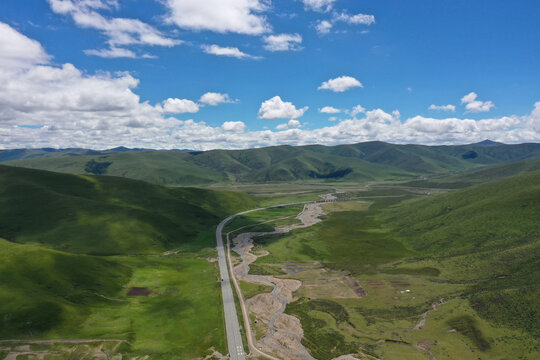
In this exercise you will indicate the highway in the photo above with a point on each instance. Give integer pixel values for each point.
(232, 326)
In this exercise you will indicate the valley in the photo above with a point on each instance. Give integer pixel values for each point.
(437, 266)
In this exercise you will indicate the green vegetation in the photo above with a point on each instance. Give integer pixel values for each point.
(473, 253)
(324, 341)
(466, 325)
(96, 168)
(250, 290)
(56, 283)
(108, 215)
(370, 161)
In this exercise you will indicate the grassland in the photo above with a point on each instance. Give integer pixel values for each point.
(473, 253)
(108, 215)
(371, 161)
(82, 257)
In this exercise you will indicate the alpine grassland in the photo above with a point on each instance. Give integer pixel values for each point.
(369, 161)
(453, 275)
(93, 257)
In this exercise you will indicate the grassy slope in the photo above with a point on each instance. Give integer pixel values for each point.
(477, 248)
(107, 215)
(51, 288)
(368, 161)
(489, 173)
(39, 286)
(491, 229)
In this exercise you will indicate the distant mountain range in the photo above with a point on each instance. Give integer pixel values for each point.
(369, 161)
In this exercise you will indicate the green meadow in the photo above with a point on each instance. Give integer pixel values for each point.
(472, 252)
(86, 257)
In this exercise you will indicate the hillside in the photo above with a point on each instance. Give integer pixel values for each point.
(487, 235)
(485, 174)
(370, 161)
(88, 257)
(107, 215)
(447, 276)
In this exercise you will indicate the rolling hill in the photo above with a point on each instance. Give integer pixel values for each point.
(487, 234)
(76, 250)
(107, 215)
(370, 161)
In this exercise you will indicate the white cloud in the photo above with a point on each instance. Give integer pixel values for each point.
(18, 50)
(474, 105)
(226, 51)
(275, 108)
(448, 107)
(119, 31)
(235, 16)
(323, 27)
(358, 109)
(178, 106)
(329, 110)
(113, 52)
(533, 121)
(291, 124)
(358, 19)
(283, 42)
(234, 126)
(213, 99)
(68, 107)
(340, 84)
(319, 5)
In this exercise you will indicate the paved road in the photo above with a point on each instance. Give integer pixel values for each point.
(232, 327)
(234, 338)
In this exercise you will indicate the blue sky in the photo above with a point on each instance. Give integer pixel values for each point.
(387, 56)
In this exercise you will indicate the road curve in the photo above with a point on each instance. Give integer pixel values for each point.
(232, 326)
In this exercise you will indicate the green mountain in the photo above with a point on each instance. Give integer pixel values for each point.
(357, 162)
(107, 215)
(485, 174)
(486, 236)
(102, 257)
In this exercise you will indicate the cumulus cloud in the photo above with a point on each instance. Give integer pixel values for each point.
(358, 109)
(275, 108)
(283, 42)
(291, 124)
(448, 107)
(18, 50)
(234, 126)
(178, 106)
(329, 110)
(340, 84)
(119, 31)
(214, 99)
(323, 27)
(231, 16)
(227, 51)
(47, 105)
(319, 5)
(474, 105)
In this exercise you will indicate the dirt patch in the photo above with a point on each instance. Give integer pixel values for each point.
(139, 291)
(215, 355)
(357, 288)
(263, 306)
